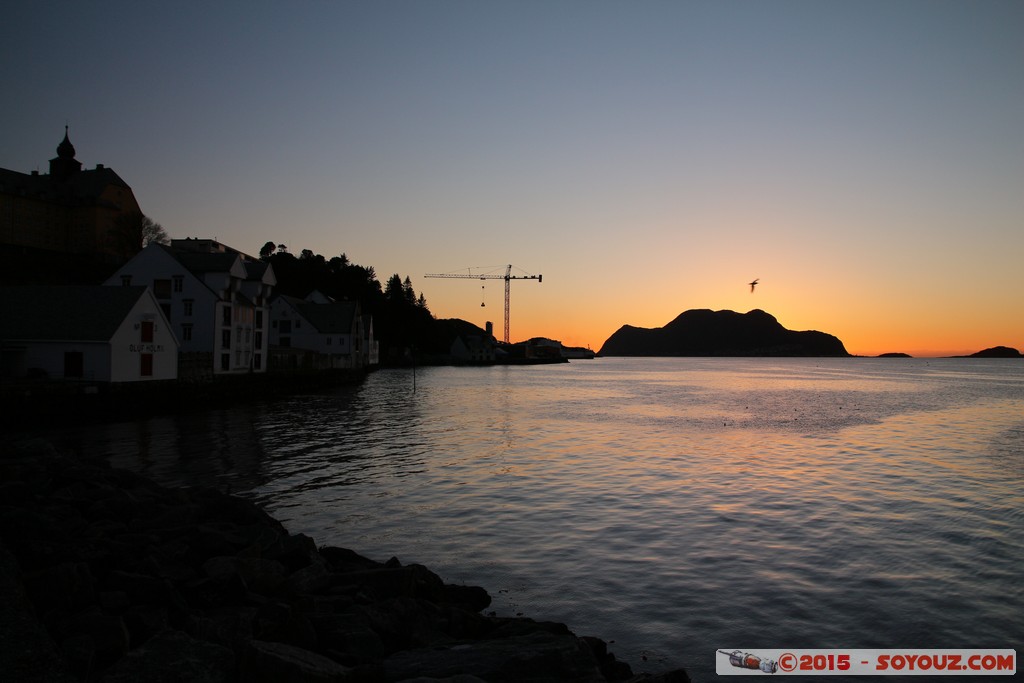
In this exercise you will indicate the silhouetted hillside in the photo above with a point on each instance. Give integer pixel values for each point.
(721, 333)
(996, 352)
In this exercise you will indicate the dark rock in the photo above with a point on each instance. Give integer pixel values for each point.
(27, 652)
(104, 637)
(998, 352)
(537, 656)
(310, 579)
(232, 627)
(293, 551)
(266, 662)
(68, 586)
(473, 598)
(721, 333)
(141, 588)
(173, 657)
(113, 602)
(345, 560)
(145, 621)
(675, 676)
(136, 582)
(259, 575)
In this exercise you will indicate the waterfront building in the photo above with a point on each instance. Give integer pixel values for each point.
(216, 298)
(319, 333)
(472, 349)
(85, 334)
(68, 213)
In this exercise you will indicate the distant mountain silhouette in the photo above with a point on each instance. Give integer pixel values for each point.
(996, 352)
(703, 332)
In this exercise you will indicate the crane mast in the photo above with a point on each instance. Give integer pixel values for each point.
(507, 277)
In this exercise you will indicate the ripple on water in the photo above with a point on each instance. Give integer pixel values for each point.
(671, 505)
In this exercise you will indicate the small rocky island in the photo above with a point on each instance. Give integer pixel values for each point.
(108, 577)
(702, 332)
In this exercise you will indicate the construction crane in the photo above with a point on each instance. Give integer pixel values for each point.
(508, 277)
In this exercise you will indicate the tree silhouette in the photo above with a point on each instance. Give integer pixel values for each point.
(133, 231)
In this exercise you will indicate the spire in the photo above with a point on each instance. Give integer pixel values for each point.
(65, 150)
(64, 164)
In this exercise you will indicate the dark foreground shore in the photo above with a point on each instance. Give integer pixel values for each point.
(108, 577)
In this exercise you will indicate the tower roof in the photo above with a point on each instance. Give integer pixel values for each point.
(65, 150)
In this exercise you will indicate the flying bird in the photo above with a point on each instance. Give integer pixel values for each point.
(753, 284)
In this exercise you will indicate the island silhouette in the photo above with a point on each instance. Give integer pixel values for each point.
(703, 332)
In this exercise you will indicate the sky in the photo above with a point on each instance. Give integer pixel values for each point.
(864, 160)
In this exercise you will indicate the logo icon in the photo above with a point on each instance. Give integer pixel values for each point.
(744, 660)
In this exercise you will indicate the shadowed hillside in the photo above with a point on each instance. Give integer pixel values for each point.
(703, 332)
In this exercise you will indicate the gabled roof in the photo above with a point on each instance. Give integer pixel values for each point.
(336, 318)
(55, 313)
(260, 271)
(198, 262)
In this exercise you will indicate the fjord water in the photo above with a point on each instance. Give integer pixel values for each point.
(673, 506)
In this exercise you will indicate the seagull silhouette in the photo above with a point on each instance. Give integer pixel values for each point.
(753, 284)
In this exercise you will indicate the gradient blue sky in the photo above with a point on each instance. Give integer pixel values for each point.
(864, 159)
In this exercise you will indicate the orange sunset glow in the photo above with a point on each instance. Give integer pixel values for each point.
(864, 160)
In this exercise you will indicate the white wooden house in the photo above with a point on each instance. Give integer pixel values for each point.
(215, 298)
(93, 334)
(333, 331)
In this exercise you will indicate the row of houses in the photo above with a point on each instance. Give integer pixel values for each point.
(191, 310)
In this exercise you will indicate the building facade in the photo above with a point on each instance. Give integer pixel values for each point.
(85, 334)
(215, 298)
(325, 335)
(70, 210)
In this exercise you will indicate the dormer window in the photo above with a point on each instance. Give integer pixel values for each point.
(126, 280)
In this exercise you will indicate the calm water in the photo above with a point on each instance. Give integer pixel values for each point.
(673, 506)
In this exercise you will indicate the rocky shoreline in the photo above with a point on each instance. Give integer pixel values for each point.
(109, 577)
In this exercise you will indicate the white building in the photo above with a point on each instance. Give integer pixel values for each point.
(97, 334)
(215, 298)
(333, 331)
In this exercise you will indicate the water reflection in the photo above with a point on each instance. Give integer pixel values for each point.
(850, 503)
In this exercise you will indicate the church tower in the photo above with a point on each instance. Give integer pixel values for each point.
(64, 165)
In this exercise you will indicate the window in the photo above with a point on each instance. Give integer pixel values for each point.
(147, 330)
(238, 335)
(259, 318)
(225, 361)
(225, 339)
(186, 332)
(166, 308)
(147, 365)
(286, 327)
(73, 364)
(179, 283)
(257, 361)
(328, 341)
(162, 289)
(188, 306)
(126, 280)
(298, 324)
(258, 340)
(226, 315)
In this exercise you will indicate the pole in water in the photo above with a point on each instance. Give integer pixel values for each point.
(744, 660)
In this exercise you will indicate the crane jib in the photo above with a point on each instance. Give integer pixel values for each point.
(507, 277)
